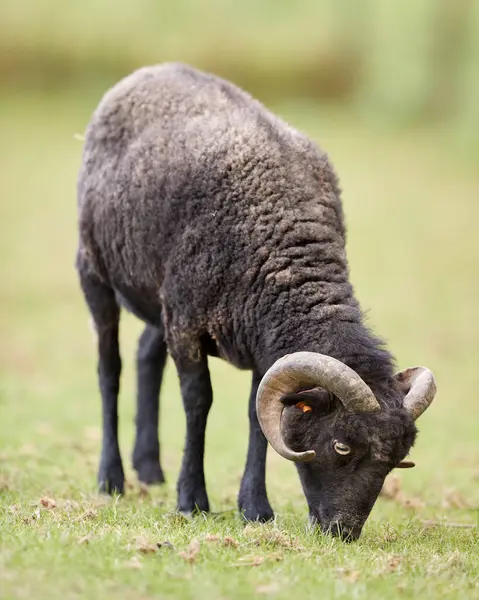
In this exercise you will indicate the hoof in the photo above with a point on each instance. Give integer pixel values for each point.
(259, 510)
(258, 515)
(111, 485)
(193, 503)
(150, 472)
(111, 479)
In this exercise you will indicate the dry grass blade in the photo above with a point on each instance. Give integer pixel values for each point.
(249, 561)
(145, 547)
(87, 515)
(35, 516)
(70, 505)
(272, 537)
(177, 519)
(389, 564)
(192, 552)
(349, 575)
(48, 503)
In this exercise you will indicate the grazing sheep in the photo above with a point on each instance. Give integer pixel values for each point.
(221, 227)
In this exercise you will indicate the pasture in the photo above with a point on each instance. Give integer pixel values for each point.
(412, 210)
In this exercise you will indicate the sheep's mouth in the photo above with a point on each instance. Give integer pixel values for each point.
(346, 532)
(343, 532)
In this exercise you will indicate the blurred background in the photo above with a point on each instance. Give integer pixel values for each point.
(413, 62)
(389, 89)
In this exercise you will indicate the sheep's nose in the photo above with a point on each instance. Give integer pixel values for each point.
(345, 533)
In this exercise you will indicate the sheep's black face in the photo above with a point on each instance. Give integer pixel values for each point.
(354, 453)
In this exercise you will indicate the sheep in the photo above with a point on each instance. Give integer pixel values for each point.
(221, 227)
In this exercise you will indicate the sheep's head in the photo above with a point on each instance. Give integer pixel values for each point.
(317, 412)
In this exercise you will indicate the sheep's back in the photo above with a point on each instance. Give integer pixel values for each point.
(187, 179)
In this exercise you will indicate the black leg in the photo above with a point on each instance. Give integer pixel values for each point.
(197, 398)
(106, 316)
(252, 499)
(151, 360)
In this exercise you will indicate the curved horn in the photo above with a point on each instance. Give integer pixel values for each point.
(420, 387)
(294, 372)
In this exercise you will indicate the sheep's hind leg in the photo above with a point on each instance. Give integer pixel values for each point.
(106, 316)
(197, 399)
(151, 360)
(252, 499)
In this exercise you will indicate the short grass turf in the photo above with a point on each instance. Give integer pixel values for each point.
(412, 212)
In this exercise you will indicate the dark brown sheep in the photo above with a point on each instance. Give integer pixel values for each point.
(221, 227)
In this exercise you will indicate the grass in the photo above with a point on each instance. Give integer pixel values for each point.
(412, 211)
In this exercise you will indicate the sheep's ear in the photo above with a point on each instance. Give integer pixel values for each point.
(317, 400)
(405, 464)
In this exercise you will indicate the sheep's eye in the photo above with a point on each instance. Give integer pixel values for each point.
(341, 448)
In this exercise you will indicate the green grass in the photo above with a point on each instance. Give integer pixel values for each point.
(412, 212)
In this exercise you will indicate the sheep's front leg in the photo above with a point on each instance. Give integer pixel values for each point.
(197, 398)
(106, 316)
(252, 499)
(151, 360)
